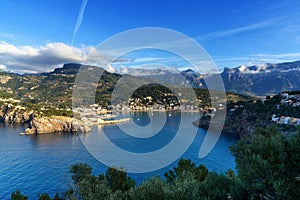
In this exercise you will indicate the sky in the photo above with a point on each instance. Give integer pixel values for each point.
(37, 36)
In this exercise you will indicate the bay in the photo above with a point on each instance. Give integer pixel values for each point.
(40, 163)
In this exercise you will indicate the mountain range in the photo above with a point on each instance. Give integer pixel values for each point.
(56, 86)
(264, 79)
(259, 80)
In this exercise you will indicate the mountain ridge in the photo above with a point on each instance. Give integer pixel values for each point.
(258, 80)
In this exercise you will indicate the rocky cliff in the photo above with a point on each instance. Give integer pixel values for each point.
(40, 125)
(50, 125)
(14, 114)
(241, 124)
(55, 124)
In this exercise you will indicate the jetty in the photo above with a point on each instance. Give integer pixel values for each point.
(108, 116)
(114, 121)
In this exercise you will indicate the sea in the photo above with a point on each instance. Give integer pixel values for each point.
(38, 164)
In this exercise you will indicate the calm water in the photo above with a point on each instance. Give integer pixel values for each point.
(37, 164)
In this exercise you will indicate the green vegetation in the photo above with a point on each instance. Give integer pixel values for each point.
(268, 164)
(248, 115)
(267, 168)
(164, 96)
(6, 95)
(38, 110)
(17, 195)
(55, 89)
(46, 111)
(272, 105)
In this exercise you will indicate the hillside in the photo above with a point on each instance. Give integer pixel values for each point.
(52, 89)
(55, 88)
(244, 117)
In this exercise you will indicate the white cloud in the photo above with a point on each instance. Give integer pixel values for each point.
(45, 58)
(148, 59)
(6, 48)
(2, 67)
(110, 68)
(123, 70)
(256, 59)
(28, 59)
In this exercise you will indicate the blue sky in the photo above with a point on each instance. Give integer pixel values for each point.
(39, 35)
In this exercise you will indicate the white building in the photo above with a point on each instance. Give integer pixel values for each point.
(275, 119)
(285, 95)
(286, 120)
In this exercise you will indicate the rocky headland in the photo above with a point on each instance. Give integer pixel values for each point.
(55, 124)
(242, 124)
(41, 125)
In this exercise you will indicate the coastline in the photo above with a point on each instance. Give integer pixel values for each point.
(158, 110)
(56, 123)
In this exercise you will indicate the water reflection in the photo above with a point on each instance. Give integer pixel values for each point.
(13, 125)
(51, 138)
(141, 118)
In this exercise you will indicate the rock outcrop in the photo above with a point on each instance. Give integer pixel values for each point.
(40, 125)
(240, 124)
(55, 124)
(15, 114)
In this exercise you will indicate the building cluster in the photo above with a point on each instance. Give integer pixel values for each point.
(169, 101)
(291, 100)
(286, 120)
(288, 100)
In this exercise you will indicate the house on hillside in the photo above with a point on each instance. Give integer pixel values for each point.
(285, 95)
(275, 119)
(297, 97)
(284, 120)
(296, 104)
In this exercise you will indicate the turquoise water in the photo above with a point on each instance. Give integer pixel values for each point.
(37, 164)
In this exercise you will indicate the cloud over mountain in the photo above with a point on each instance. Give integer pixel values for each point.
(29, 59)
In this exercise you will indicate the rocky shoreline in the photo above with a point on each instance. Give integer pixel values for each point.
(55, 124)
(41, 125)
(240, 124)
(15, 114)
